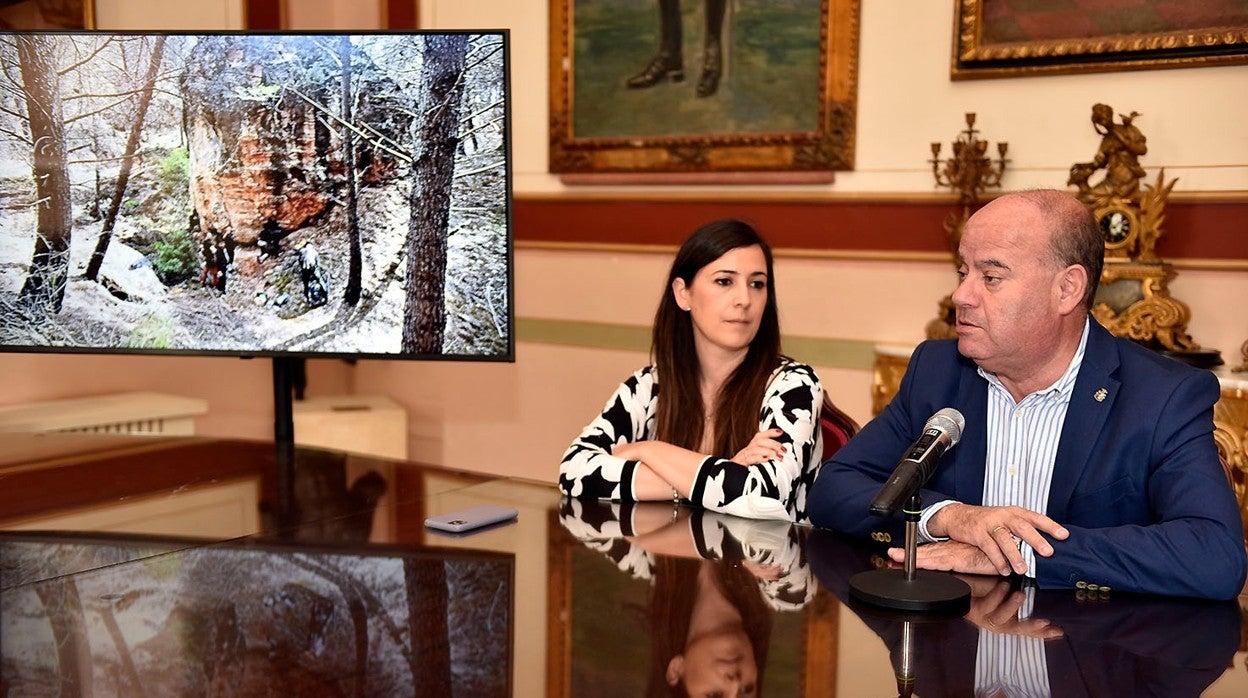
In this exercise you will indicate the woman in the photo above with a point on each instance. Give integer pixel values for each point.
(735, 428)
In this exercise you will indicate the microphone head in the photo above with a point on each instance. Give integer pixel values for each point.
(950, 421)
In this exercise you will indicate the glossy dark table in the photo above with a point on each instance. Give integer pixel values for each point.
(188, 566)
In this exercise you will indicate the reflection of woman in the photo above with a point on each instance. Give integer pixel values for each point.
(716, 581)
(735, 427)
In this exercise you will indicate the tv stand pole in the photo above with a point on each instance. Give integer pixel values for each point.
(284, 438)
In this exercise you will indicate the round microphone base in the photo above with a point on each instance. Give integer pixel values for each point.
(929, 592)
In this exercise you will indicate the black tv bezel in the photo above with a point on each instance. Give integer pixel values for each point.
(506, 357)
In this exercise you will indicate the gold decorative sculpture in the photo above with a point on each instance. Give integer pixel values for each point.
(969, 172)
(1230, 433)
(1133, 299)
(1244, 353)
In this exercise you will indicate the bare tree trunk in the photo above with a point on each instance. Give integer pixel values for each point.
(68, 623)
(49, 265)
(428, 607)
(435, 135)
(127, 161)
(354, 264)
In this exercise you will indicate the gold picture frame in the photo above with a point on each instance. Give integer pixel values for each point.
(993, 39)
(48, 14)
(785, 107)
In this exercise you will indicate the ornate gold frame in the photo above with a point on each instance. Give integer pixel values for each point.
(692, 157)
(1125, 50)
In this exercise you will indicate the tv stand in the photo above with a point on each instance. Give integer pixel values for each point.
(283, 404)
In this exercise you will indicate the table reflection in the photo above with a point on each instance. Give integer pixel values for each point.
(1020, 641)
(658, 600)
(708, 604)
(249, 618)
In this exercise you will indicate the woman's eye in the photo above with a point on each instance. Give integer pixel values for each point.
(758, 284)
(724, 281)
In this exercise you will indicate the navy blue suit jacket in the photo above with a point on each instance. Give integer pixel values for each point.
(1137, 479)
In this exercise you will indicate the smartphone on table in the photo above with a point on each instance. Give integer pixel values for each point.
(464, 520)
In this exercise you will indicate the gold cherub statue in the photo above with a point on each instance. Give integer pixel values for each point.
(1121, 147)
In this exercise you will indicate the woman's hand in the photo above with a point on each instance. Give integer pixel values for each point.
(632, 450)
(762, 448)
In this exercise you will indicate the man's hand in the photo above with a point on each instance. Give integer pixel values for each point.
(948, 556)
(994, 607)
(996, 532)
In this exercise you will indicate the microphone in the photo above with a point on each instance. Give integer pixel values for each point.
(942, 432)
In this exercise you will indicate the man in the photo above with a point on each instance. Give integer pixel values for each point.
(1086, 460)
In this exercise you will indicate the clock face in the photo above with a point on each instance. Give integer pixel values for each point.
(1115, 227)
(1119, 229)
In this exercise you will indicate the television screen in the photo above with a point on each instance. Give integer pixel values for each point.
(108, 614)
(256, 194)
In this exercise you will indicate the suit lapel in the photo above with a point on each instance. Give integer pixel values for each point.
(973, 399)
(1093, 397)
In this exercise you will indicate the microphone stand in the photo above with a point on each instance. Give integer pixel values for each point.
(913, 511)
(912, 589)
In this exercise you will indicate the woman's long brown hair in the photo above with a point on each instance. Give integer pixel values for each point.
(679, 417)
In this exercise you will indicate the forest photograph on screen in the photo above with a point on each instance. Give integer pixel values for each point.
(255, 194)
(150, 617)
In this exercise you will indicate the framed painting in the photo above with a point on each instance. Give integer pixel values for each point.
(47, 14)
(1011, 38)
(663, 90)
(271, 15)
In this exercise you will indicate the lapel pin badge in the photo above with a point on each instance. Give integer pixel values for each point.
(1100, 395)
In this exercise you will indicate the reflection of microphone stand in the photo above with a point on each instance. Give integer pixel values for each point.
(906, 656)
(912, 589)
(905, 664)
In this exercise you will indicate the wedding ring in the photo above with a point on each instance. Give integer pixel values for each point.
(994, 531)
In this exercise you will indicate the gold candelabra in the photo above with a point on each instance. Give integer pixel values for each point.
(970, 170)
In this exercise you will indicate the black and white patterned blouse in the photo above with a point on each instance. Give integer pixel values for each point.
(775, 489)
(726, 539)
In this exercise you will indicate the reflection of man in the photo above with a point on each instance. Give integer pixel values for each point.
(1087, 460)
(1020, 641)
(669, 63)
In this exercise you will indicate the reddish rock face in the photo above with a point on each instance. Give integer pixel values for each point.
(265, 152)
(242, 182)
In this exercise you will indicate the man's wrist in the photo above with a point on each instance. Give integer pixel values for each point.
(926, 535)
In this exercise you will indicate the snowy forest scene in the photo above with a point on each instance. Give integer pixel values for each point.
(252, 621)
(248, 193)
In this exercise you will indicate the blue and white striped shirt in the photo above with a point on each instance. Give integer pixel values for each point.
(1022, 446)
(1012, 665)
(1022, 443)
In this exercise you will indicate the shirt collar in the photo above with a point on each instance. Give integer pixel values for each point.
(1064, 385)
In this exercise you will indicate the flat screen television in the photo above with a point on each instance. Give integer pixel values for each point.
(261, 195)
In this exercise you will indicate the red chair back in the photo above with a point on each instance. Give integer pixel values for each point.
(837, 428)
